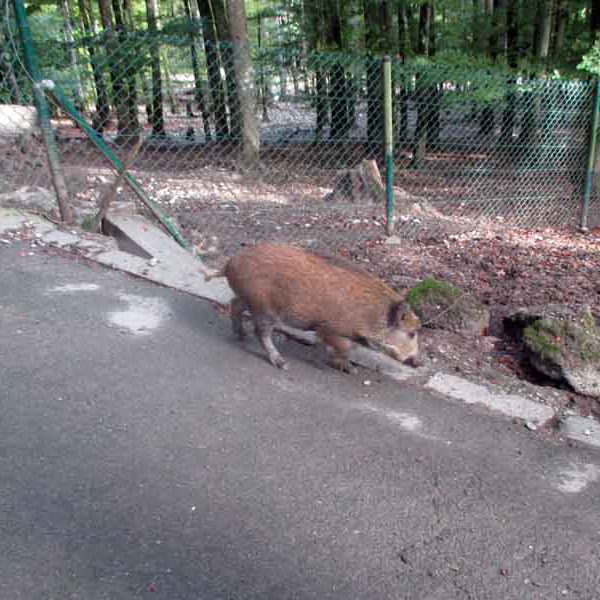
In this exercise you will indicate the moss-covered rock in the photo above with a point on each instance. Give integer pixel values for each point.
(442, 305)
(562, 345)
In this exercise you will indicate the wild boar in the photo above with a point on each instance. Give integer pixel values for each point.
(280, 284)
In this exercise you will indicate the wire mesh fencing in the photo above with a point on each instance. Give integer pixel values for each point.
(289, 144)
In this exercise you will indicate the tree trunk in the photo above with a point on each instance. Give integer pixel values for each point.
(498, 42)
(479, 25)
(127, 119)
(486, 123)
(512, 35)
(314, 26)
(338, 89)
(69, 42)
(192, 15)
(405, 49)
(434, 120)
(595, 31)
(213, 68)
(530, 133)
(102, 113)
(244, 74)
(424, 92)
(405, 45)
(544, 28)
(228, 57)
(157, 118)
(377, 16)
(594, 17)
(322, 104)
(562, 15)
(7, 73)
(264, 88)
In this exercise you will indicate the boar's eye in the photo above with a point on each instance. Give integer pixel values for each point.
(396, 313)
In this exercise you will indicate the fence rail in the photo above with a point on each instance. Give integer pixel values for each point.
(467, 144)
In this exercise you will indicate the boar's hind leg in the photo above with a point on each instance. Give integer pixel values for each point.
(338, 348)
(237, 312)
(263, 327)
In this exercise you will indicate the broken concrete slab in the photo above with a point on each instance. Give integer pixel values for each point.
(184, 275)
(12, 219)
(174, 266)
(61, 239)
(507, 404)
(582, 429)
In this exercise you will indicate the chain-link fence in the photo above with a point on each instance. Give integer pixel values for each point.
(294, 147)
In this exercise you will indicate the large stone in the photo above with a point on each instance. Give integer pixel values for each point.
(441, 305)
(561, 344)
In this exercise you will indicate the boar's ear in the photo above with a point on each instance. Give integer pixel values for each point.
(396, 313)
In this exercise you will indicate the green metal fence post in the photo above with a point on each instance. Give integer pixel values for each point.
(43, 111)
(389, 148)
(589, 177)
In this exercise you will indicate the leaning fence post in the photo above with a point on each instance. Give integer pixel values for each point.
(43, 111)
(589, 176)
(388, 144)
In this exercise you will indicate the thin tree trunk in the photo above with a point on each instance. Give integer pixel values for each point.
(314, 25)
(544, 27)
(487, 116)
(7, 72)
(338, 90)
(226, 46)
(244, 74)
(405, 49)
(102, 114)
(479, 37)
(424, 91)
(594, 17)
(213, 67)
(158, 117)
(127, 121)
(434, 120)
(404, 29)
(512, 35)
(377, 16)
(562, 15)
(530, 133)
(70, 43)
(191, 11)
(264, 88)
(322, 103)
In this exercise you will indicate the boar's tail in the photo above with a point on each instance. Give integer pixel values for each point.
(214, 274)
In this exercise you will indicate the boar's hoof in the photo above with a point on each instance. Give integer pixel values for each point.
(277, 361)
(342, 364)
(413, 362)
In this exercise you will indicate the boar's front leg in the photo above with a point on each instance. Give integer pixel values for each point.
(263, 327)
(338, 348)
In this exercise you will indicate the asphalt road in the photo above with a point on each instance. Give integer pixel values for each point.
(144, 453)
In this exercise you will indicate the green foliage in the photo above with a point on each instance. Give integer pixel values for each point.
(431, 290)
(590, 62)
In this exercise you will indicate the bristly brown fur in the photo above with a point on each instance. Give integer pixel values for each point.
(280, 283)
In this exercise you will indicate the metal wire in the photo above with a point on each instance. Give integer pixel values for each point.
(470, 146)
